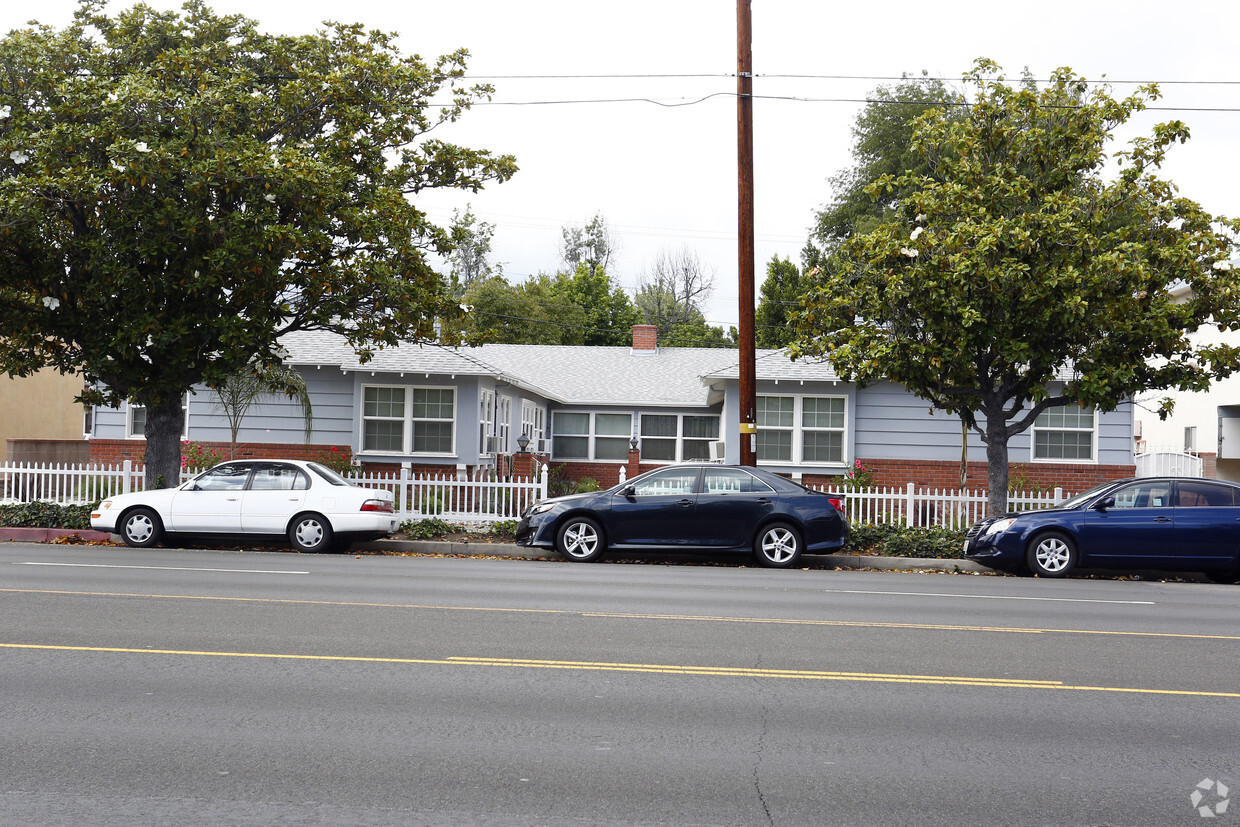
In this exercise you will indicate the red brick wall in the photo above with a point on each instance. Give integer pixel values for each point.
(645, 337)
(111, 451)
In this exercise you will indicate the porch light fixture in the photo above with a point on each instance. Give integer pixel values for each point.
(633, 442)
(523, 441)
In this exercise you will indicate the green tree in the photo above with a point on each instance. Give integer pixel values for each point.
(471, 255)
(608, 315)
(529, 313)
(1017, 277)
(179, 190)
(882, 146)
(778, 300)
(591, 245)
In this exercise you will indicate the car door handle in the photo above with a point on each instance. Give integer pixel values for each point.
(684, 502)
(1162, 519)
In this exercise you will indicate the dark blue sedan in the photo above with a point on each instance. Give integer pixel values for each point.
(694, 507)
(1167, 523)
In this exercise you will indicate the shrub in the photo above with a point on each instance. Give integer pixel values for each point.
(900, 541)
(429, 528)
(197, 457)
(342, 462)
(505, 528)
(45, 515)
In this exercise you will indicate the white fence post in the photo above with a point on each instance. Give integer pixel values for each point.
(126, 474)
(909, 505)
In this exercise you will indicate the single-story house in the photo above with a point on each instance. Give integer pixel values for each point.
(594, 410)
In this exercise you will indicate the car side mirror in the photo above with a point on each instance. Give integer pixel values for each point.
(629, 491)
(1104, 503)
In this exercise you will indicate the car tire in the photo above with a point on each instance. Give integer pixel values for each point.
(580, 539)
(310, 533)
(778, 546)
(1052, 554)
(141, 528)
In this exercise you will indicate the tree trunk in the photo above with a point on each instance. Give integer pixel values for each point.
(163, 444)
(996, 465)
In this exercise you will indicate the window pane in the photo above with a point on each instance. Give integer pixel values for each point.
(659, 425)
(570, 423)
(613, 424)
(697, 449)
(822, 413)
(571, 447)
(775, 445)
(659, 449)
(611, 448)
(432, 437)
(383, 435)
(701, 427)
(1203, 494)
(823, 446)
(774, 411)
(385, 402)
(432, 403)
(1063, 445)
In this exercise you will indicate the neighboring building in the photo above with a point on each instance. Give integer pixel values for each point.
(1204, 423)
(39, 421)
(432, 408)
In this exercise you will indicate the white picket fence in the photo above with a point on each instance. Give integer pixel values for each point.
(1168, 462)
(484, 498)
(911, 505)
(481, 498)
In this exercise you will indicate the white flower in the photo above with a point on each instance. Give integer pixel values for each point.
(921, 217)
(5, 111)
(1222, 265)
(141, 146)
(910, 253)
(19, 157)
(271, 198)
(51, 302)
(119, 167)
(913, 235)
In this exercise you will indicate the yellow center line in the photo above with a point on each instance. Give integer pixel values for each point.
(647, 668)
(861, 624)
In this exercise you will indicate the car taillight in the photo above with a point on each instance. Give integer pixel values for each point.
(836, 502)
(378, 505)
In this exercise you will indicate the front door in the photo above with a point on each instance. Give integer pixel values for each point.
(212, 502)
(1139, 529)
(656, 510)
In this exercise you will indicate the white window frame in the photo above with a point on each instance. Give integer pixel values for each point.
(486, 422)
(593, 436)
(1035, 429)
(131, 433)
(504, 419)
(679, 438)
(408, 421)
(533, 424)
(798, 429)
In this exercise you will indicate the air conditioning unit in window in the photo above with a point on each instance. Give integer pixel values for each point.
(717, 451)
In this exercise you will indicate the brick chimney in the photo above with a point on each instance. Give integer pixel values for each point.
(645, 338)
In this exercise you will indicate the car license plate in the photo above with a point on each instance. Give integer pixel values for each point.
(966, 546)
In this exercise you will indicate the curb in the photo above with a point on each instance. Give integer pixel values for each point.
(47, 535)
(465, 549)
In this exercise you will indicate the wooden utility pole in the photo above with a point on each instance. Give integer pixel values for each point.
(744, 235)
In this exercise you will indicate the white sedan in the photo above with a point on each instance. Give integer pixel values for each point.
(309, 504)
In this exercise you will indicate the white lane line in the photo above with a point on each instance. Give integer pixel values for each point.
(995, 597)
(160, 568)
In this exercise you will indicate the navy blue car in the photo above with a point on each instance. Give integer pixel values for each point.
(1167, 523)
(692, 507)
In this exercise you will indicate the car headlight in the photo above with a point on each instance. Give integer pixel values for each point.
(539, 508)
(999, 525)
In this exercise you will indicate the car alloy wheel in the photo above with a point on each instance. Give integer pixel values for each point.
(778, 546)
(1052, 555)
(580, 539)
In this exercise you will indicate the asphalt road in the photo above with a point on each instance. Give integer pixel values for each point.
(217, 687)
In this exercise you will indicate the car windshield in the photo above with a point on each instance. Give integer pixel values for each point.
(328, 474)
(1081, 499)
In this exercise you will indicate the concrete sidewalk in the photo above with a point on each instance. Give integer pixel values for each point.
(511, 550)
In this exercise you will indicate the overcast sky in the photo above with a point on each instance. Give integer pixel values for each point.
(662, 169)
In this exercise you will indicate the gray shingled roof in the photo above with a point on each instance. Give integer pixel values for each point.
(673, 376)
